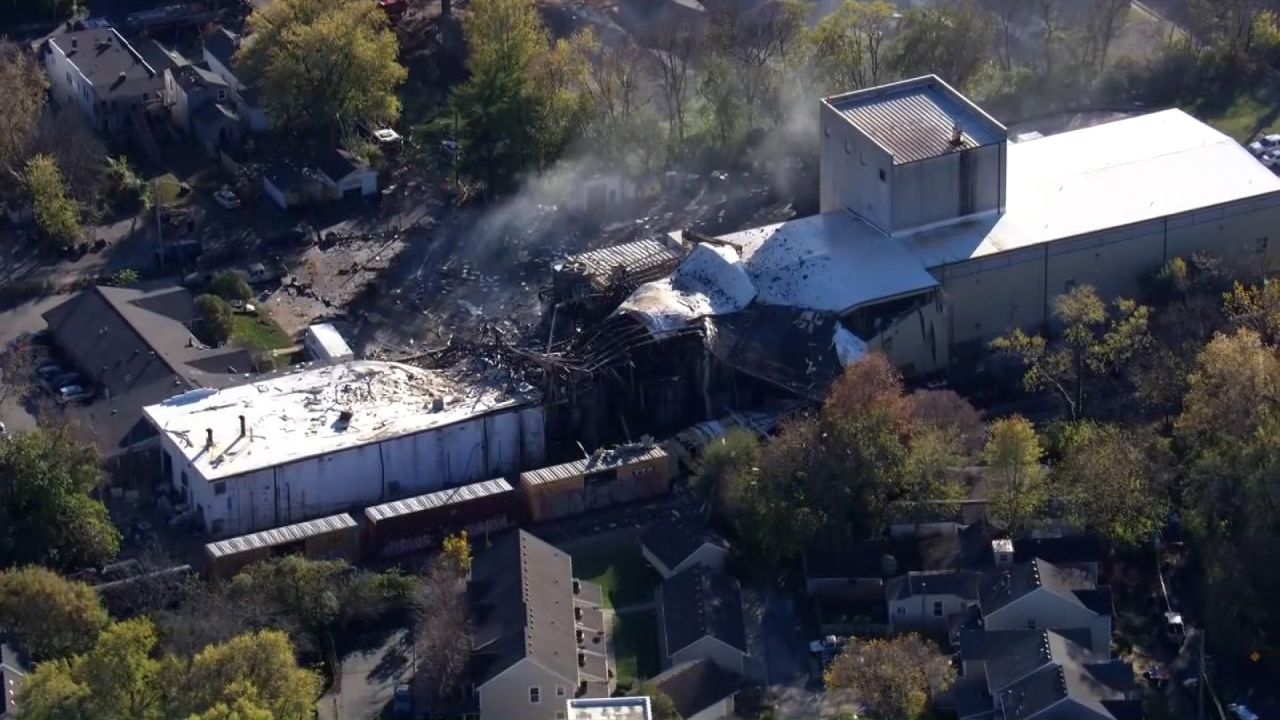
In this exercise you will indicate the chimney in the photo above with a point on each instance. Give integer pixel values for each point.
(957, 135)
(208, 437)
(1002, 551)
(242, 426)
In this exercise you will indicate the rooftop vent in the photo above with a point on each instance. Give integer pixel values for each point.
(208, 437)
(344, 417)
(242, 426)
(957, 135)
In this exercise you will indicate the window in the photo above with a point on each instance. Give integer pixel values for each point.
(535, 694)
(902, 610)
(222, 94)
(882, 175)
(220, 488)
(1031, 624)
(847, 151)
(184, 478)
(937, 608)
(559, 691)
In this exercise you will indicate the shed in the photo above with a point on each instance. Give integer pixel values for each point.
(344, 175)
(328, 538)
(287, 185)
(325, 343)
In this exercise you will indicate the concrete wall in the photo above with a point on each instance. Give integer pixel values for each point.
(946, 187)
(506, 697)
(992, 295)
(477, 449)
(854, 171)
(917, 611)
(1045, 610)
(726, 656)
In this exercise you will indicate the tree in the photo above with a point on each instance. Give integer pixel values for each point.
(443, 630)
(615, 84)
(53, 616)
(456, 550)
(676, 49)
(80, 155)
(521, 105)
(893, 678)
(57, 215)
(846, 45)
(1017, 488)
(951, 413)
(22, 85)
(1256, 307)
(36, 10)
(756, 43)
(1110, 484)
(1092, 344)
(725, 461)
(258, 669)
(661, 706)
(231, 285)
(954, 41)
(46, 514)
(325, 65)
(215, 322)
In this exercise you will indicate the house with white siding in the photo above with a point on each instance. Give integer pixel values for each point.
(700, 617)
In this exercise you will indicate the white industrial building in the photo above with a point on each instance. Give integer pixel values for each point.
(938, 233)
(317, 441)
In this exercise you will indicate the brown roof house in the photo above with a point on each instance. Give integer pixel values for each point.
(700, 616)
(135, 348)
(538, 634)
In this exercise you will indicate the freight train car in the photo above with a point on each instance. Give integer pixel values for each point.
(422, 522)
(606, 478)
(329, 538)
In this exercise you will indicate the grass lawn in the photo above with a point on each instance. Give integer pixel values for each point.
(258, 331)
(620, 571)
(635, 646)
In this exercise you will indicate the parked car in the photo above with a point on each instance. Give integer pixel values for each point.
(402, 702)
(227, 199)
(1265, 143)
(1270, 158)
(49, 370)
(63, 380)
(1241, 712)
(73, 393)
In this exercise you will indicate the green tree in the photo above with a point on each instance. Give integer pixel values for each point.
(893, 678)
(46, 514)
(1017, 488)
(954, 40)
(53, 616)
(1256, 307)
(661, 706)
(523, 101)
(325, 65)
(57, 215)
(1109, 482)
(258, 668)
(1092, 344)
(758, 45)
(215, 321)
(231, 285)
(846, 46)
(22, 85)
(725, 461)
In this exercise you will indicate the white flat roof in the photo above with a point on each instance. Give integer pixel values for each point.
(1101, 177)
(295, 416)
(330, 339)
(618, 708)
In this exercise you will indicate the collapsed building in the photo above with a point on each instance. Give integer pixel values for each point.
(937, 232)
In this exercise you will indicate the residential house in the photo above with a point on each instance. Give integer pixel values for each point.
(220, 49)
(1042, 675)
(700, 690)
(926, 600)
(1040, 595)
(202, 107)
(12, 675)
(135, 348)
(333, 175)
(343, 175)
(700, 616)
(837, 568)
(538, 635)
(99, 73)
(672, 546)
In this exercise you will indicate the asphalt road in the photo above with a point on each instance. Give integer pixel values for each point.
(15, 323)
(368, 680)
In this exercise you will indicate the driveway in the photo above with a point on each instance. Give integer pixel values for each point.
(368, 680)
(15, 323)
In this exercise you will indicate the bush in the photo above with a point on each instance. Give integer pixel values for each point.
(124, 277)
(231, 285)
(126, 190)
(214, 323)
(57, 215)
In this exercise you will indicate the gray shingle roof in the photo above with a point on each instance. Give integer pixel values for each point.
(521, 598)
(109, 62)
(1028, 671)
(697, 603)
(962, 584)
(672, 541)
(696, 686)
(1001, 587)
(222, 45)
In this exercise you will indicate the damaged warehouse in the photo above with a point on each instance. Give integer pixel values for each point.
(936, 234)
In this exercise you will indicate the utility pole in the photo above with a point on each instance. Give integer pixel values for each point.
(1203, 679)
(155, 202)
